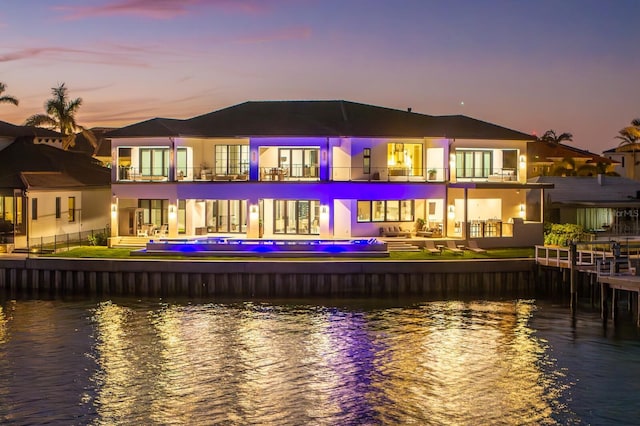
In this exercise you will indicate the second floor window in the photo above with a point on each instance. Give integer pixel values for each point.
(473, 164)
(154, 161)
(34, 208)
(58, 207)
(232, 159)
(366, 161)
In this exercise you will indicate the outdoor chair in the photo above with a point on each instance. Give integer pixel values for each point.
(451, 245)
(473, 246)
(430, 247)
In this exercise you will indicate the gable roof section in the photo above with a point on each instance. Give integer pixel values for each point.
(319, 118)
(541, 151)
(11, 130)
(25, 157)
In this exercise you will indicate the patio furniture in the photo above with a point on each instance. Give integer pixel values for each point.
(429, 247)
(393, 231)
(451, 245)
(473, 246)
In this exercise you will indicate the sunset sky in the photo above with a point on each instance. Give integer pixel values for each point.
(568, 65)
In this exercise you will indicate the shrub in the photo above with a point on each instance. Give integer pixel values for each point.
(559, 234)
(99, 239)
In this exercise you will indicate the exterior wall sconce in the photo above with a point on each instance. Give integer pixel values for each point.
(172, 210)
(114, 209)
(522, 210)
(324, 210)
(254, 157)
(324, 156)
(451, 214)
(523, 161)
(253, 210)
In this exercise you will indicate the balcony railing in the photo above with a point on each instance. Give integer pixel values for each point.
(301, 173)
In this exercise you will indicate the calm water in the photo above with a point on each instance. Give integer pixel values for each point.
(424, 362)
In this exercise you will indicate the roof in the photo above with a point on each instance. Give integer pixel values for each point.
(23, 159)
(604, 191)
(11, 130)
(332, 118)
(542, 151)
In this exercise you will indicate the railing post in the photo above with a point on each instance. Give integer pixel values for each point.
(573, 275)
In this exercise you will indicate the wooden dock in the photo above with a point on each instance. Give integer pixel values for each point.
(613, 274)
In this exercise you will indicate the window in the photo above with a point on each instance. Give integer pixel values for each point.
(182, 216)
(34, 208)
(154, 161)
(72, 209)
(296, 217)
(232, 159)
(155, 212)
(386, 211)
(58, 207)
(366, 161)
(299, 162)
(404, 159)
(181, 162)
(473, 164)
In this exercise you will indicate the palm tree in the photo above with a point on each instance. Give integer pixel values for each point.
(551, 137)
(630, 141)
(6, 99)
(60, 116)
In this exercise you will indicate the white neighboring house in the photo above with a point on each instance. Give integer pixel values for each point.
(47, 194)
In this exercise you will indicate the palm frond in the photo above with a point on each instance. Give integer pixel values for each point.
(41, 120)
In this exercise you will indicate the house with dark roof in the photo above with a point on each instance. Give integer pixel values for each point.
(322, 169)
(47, 192)
(626, 159)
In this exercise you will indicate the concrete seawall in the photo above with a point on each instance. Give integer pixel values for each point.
(278, 278)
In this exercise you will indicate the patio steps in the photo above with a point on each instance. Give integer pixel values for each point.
(129, 242)
(401, 246)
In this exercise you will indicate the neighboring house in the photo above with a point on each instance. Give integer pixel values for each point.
(47, 192)
(548, 159)
(102, 151)
(627, 160)
(601, 204)
(321, 169)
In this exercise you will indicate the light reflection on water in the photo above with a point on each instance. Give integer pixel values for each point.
(131, 362)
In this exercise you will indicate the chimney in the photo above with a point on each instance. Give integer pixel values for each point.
(409, 109)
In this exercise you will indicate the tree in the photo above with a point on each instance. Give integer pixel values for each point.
(630, 141)
(6, 99)
(60, 116)
(551, 137)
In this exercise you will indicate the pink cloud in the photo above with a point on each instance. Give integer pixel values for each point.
(74, 55)
(158, 9)
(295, 33)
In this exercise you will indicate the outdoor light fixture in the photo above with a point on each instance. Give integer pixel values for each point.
(114, 209)
(253, 210)
(521, 210)
(172, 210)
(253, 156)
(523, 161)
(324, 210)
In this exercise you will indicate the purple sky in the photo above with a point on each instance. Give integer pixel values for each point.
(568, 65)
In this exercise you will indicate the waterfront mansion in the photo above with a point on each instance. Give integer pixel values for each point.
(323, 170)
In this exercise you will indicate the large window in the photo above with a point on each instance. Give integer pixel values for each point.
(10, 217)
(154, 161)
(296, 217)
(232, 159)
(473, 164)
(366, 161)
(58, 207)
(405, 159)
(34, 209)
(226, 215)
(154, 212)
(299, 162)
(181, 162)
(386, 211)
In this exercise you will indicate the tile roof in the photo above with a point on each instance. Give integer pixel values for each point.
(319, 118)
(24, 157)
(11, 130)
(541, 151)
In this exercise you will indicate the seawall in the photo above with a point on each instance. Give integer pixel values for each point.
(277, 278)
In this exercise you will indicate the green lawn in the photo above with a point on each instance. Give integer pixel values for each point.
(122, 253)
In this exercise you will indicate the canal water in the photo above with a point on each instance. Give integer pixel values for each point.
(454, 362)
